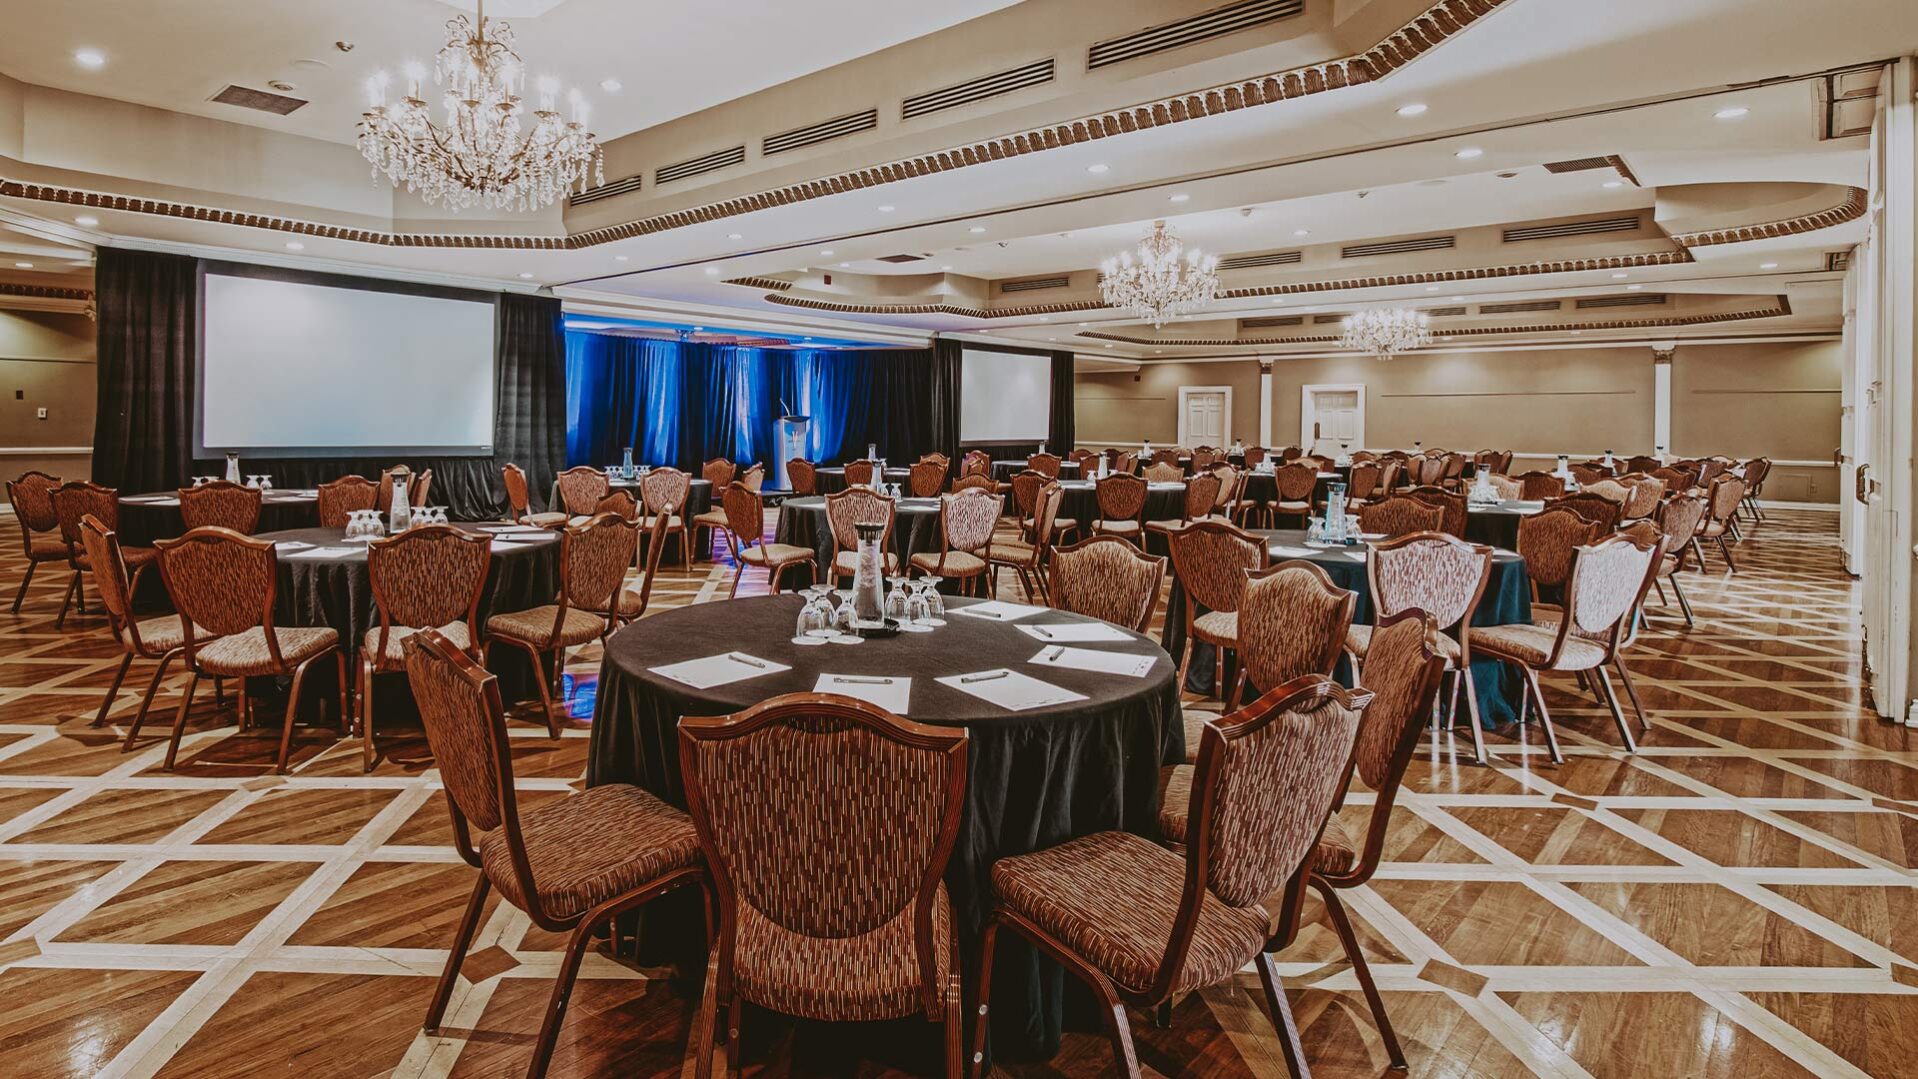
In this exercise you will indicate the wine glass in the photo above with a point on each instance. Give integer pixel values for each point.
(918, 611)
(935, 602)
(814, 618)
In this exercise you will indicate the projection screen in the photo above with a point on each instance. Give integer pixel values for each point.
(1004, 396)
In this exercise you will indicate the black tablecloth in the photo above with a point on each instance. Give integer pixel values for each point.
(1498, 525)
(1507, 599)
(829, 480)
(699, 499)
(1035, 779)
(142, 522)
(1003, 471)
(802, 523)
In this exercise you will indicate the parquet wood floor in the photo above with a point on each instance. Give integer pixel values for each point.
(1736, 900)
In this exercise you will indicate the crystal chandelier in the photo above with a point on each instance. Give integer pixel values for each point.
(479, 155)
(1385, 333)
(1162, 281)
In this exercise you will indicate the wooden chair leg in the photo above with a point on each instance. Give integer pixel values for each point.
(369, 755)
(1724, 548)
(1625, 676)
(954, 1022)
(1544, 715)
(1119, 1029)
(292, 710)
(146, 702)
(1282, 1021)
(581, 939)
(66, 601)
(20, 594)
(345, 687)
(1218, 671)
(1684, 601)
(1342, 925)
(462, 940)
(982, 999)
(106, 705)
(1618, 716)
(732, 1034)
(179, 720)
(1471, 709)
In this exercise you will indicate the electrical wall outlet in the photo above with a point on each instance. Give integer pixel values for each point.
(40, 413)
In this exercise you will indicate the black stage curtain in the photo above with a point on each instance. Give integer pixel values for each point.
(942, 389)
(148, 308)
(1063, 433)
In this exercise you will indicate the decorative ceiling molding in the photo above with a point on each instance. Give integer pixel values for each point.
(46, 292)
(1780, 307)
(1623, 170)
(1851, 209)
(1437, 24)
(773, 284)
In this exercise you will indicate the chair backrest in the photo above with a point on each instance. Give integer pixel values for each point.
(1203, 456)
(1363, 480)
(1756, 470)
(1709, 469)
(927, 478)
(974, 482)
(827, 816)
(1642, 463)
(1508, 488)
(1166, 455)
(649, 572)
(1402, 674)
(1044, 462)
(222, 582)
(1121, 497)
(1680, 518)
(1437, 573)
(221, 504)
(459, 705)
(1548, 542)
(75, 499)
(1539, 485)
(799, 473)
(1677, 480)
(975, 463)
(592, 562)
(1455, 465)
(939, 459)
(385, 503)
(1726, 493)
(620, 502)
(1428, 469)
(1595, 508)
(1295, 481)
(31, 495)
(580, 489)
(1608, 578)
(1254, 456)
(664, 487)
(1291, 453)
(339, 498)
(1231, 487)
(427, 577)
(109, 574)
(1164, 472)
(416, 494)
(1401, 515)
(854, 506)
(966, 520)
(859, 473)
(1107, 577)
(1292, 622)
(1126, 462)
(718, 472)
(1045, 511)
(1201, 495)
(753, 476)
(1211, 559)
(1452, 502)
(745, 516)
(1025, 490)
(1608, 488)
(1644, 495)
(519, 496)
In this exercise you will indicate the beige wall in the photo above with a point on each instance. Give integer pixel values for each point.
(1116, 408)
(1779, 400)
(46, 361)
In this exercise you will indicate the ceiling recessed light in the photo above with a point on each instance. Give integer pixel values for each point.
(1468, 153)
(1180, 197)
(1278, 299)
(1098, 170)
(1575, 333)
(526, 276)
(1085, 323)
(1731, 112)
(1045, 318)
(1301, 232)
(845, 265)
(91, 59)
(945, 268)
(611, 86)
(1458, 299)
(886, 209)
(86, 221)
(621, 258)
(1768, 265)
(712, 271)
(1633, 288)
(23, 265)
(734, 236)
(1609, 184)
(1416, 108)
(1431, 288)
(1619, 276)
(1108, 346)
(826, 252)
(295, 245)
(976, 229)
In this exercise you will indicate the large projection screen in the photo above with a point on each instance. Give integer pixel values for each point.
(295, 365)
(1004, 396)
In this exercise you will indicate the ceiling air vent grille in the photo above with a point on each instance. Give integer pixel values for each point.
(718, 159)
(1253, 262)
(1218, 22)
(823, 131)
(1517, 307)
(902, 258)
(1032, 284)
(1445, 312)
(1579, 164)
(1629, 299)
(1339, 316)
(1271, 322)
(1837, 261)
(979, 89)
(605, 191)
(1398, 247)
(246, 97)
(1563, 229)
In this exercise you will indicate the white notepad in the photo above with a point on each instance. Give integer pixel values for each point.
(1088, 659)
(888, 692)
(998, 611)
(1291, 552)
(327, 552)
(289, 546)
(1076, 631)
(719, 670)
(1356, 556)
(1011, 690)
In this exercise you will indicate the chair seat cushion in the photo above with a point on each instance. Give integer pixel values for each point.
(456, 633)
(958, 564)
(1295, 507)
(1338, 850)
(872, 976)
(592, 846)
(534, 626)
(46, 547)
(672, 522)
(543, 520)
(1012, 552)
(134, 557)
(709, 519)
(245, 652)
(1359, 638)
(1120, 528)
(1112, 898)
(1532, 644)
(1716, 528)
(1217, 626)
(1059, 524)
(1195, 722)
(776, 554)
(846, 563)
(164, 633)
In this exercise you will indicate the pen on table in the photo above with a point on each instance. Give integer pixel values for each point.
(848, 680)
(1043, 632)
(984, 677)
(1053, 653)
(748, 661)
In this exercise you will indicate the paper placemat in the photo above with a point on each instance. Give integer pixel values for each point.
(289, 546)
(1076, 631)
(998, 611)
(1291, 552)
(891, 693)
(1088, 659)
(1010, 690)
(1356, 556)
(719, 670)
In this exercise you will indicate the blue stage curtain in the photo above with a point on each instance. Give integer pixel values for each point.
(620, 392)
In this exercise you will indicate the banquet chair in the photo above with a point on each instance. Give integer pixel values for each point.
(1211, 560)
(1026, 556)
(572, 864)
(1045, 463)
(1646, 494)
(935, 458)
(1756, 470)
(827, 823)
(966, 521)
(799, 472)
(1295, 483)
(1536, 486)
(1680, 519)
(31, 496)
(338, 499)
(1232, 483)
(629, 603)
(416, 494)
(1025, 498)
(1451, 502)
(745, 536)
(845, 511)
(580, 489)
(1709, 469)
(719, 472)
(159, 638)
(1203, 456)
(1722, 500)
(224, 585)
(1167, 455)
(1549, 541)
(1292, 622)
(1509, 489)
(1609, 579)
(1427, 470)
(1121, 499)
(753, 476)
(859, 473)
(619, 502)
(664, 492)
(387, 477)
(1586, 475)
(1139, 924)
(1642, 463)
(1291, 453)
(1445, 577)
(1085, 460)
(1610, 489)
(1361, 484)
(1595, 508)
(1254, 456)
(1202, 497)
(1126, 463)
(714, 519)
(1454, 475)
(1164, 472)
(221, 504)
(975, 463)
(592, 565)
(926, 479)
(423, 578)
(72, 502)
(1107, 577)
(975, 482)
(1400, 515)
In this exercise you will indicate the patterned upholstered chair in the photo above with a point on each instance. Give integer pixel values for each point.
(1391, 477)
(1508, 489)
(719, 472)
(31, 496)
(1548, 542)
(753, 476)
(848, 509)
(572, 864)
(1139, 924)
(1126, 463)
(1722, 500)
(1587, 474)
(1400, 515)
(1452, 502)
(1595, 508)
(629, 603)
(417, 494)
(1679, 519)
(620, 503)
(1292, 621)
(1538, 486)
(1087, 460)
(1211, 559)
(1642, 463)
(714, 519)
(1427, 470)
(860, 473)
(1045, 463)
(159, 638)
(1121, 498)
(1755, 472)
(939, 459)
(1164, 472)
(1203, 456)
(1026, 556)
(800, 473)
(519, 500)
(926, 479)
(338, 499)
(1255, 456)
(1609, 580)
(976, 482)
(966, 521)
(423, 578)
(832, 902)
(975, 463)
(224, 584)
(1107, 577)
(1445, 577)
(745, 537)
(592, 565)
(1677, 480)
(72, 503)
(1232, 483)
(1025, 499)
(1165, 455)
(1645, 493)
(221, 504)
(580, 489)
(663, 492)
(1295, 483)
(1609, 489)
(1362, 484)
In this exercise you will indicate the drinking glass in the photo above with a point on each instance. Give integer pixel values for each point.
(813, 618)
(918, 611)
(935, 602)
(896, 600)
(266, 484)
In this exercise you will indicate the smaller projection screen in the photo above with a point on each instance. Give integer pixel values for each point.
(1004, 396)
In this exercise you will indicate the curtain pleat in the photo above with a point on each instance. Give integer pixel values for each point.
(1063, 434)
(147, 331)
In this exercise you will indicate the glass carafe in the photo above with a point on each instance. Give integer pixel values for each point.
(233, 468)
(868, 579)
(626, 464)
(399, 513)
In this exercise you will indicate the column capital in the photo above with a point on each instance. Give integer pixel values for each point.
(1662, 351)
(1265, 366)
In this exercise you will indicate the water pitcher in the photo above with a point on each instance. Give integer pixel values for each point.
(233, 468)
(399, 514)
(868, 579)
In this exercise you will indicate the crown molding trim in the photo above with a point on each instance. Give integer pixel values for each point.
(1851, 209)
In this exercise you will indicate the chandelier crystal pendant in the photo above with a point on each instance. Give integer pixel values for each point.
(480, 155)
(1162, 280)
(1386, 332)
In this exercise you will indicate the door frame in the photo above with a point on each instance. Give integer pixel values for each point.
(1225, 420)
(1308, 409)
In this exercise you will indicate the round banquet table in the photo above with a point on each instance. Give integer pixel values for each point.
(1507, 600)
(1035, 778)
(1003, 471)
(833, 478)
(145, 518)
(338, 592)
(699, 499)
(1080, 503)
(802, 523)
(1498, 525)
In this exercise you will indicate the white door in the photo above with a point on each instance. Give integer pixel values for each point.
(1204, 419)
(1336, 421)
